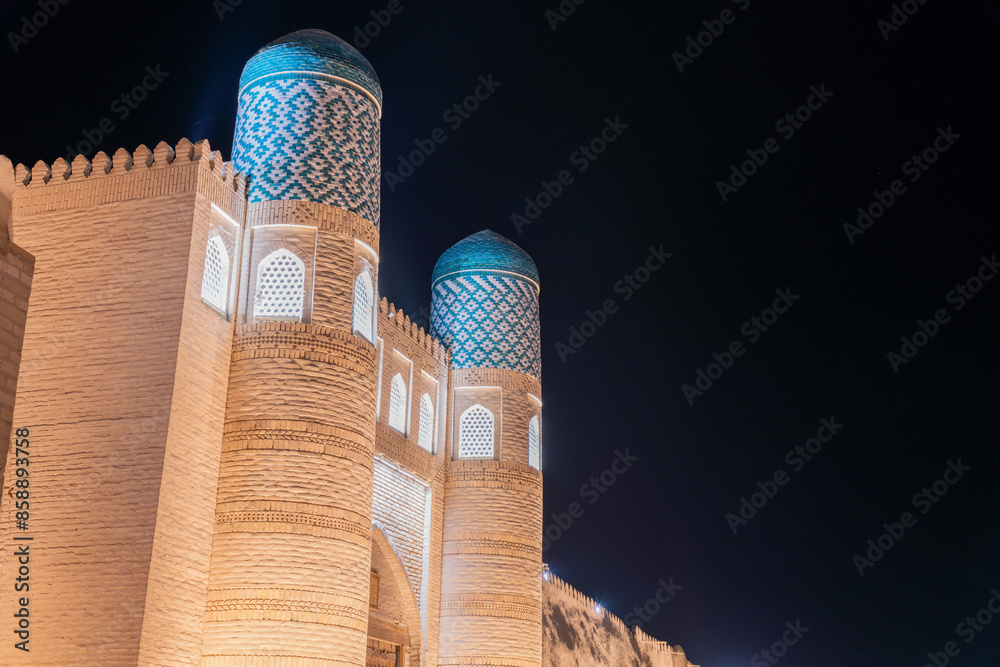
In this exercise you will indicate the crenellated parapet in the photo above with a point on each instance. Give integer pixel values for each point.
(418, 365)
(581, 606)
(129, 175)
(412, 331)
(123, 161)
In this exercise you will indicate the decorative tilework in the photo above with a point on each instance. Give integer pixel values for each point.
(489, 322)
(314, 52)
(484, 305)
(485, 251)
(312, 140)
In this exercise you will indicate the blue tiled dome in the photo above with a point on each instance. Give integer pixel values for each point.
(308, 54)
(485, 252)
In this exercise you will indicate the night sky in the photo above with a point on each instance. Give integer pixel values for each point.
(880, 96)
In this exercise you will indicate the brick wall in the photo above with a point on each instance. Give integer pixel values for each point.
(16, 269)
(119, 383)
(576, 630)
(399, 503)
(292, 550)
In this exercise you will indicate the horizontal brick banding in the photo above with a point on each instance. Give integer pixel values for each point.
(303, 341)
(496, 605)
(496, 377)
(299, 436)
(504, 544)
(313, 214)
(405, 452)
(293, 512)
(493, 475)
(269, 516)
(261, 660)
(487, 661)
(286, 605)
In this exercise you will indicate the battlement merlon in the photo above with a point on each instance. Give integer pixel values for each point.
(410, 329)
(650, 644)
(130, 175)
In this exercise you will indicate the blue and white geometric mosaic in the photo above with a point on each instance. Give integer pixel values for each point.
(312, 140)
(488, 322)
(484, 304)
(308, 124)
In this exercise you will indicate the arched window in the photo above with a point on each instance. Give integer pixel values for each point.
(534, 454)
(475, 434)
(425, 435)
(281, 279)
(364, 300)
(397, 404)
(215, 280)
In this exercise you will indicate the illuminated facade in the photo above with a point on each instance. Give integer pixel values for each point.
(241, 455)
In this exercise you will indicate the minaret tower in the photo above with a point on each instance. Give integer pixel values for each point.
(289, 582)
(484, 306)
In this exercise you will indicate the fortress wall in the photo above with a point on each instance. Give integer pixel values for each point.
(16, 269)
(176, 594)
(407, 349)
(123, 469)
(405, 472)
(577, 633)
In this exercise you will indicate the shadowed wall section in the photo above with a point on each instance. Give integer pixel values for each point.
(577, 634)
(16, 269)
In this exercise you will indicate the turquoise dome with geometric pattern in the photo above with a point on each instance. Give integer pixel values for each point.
(484, 305)
(482, 253)
(307, 125)
(313, 54)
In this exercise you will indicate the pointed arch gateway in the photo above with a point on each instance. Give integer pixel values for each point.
(394, 628)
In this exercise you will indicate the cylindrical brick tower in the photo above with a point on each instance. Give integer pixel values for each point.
(484, 306)
(289, 582)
